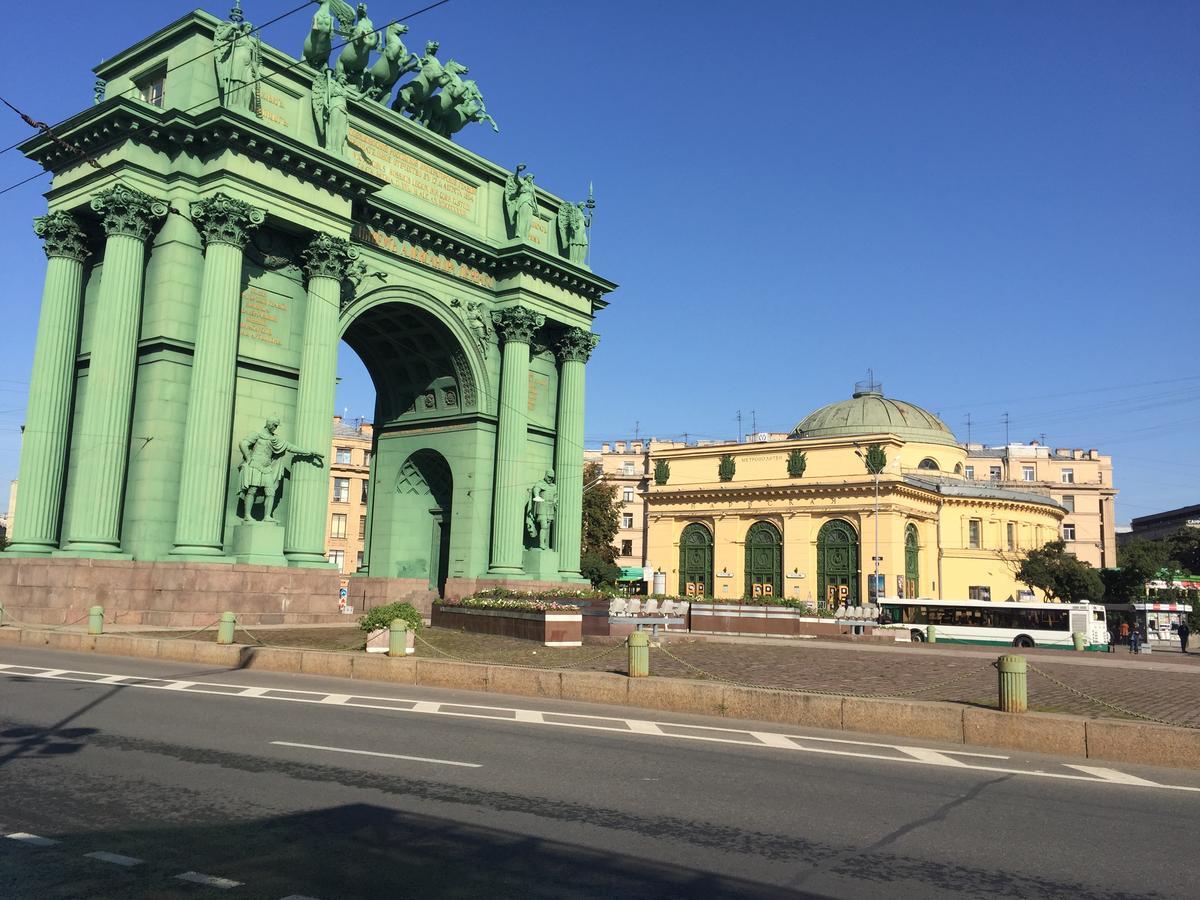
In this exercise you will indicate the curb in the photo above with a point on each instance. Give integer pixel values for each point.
(1107, 739)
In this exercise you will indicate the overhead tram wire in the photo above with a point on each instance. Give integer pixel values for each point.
(261, 78)
(199, 56)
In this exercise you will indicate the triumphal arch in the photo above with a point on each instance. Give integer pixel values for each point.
(220, 219)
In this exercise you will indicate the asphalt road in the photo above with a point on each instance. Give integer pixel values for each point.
(324, 788)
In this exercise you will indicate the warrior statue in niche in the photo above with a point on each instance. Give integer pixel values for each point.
(262, 468)
(541, 509)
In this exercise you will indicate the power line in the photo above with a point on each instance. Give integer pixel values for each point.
(199, 56)
(261, 78)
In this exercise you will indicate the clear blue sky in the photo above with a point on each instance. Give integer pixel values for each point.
(996, 205)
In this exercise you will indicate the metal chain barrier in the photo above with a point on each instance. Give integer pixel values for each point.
(484, 662)
(962, 676)
(1104, 703)
(37, 627)
(354, 648)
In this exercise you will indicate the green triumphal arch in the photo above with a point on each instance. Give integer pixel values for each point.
(220, 220)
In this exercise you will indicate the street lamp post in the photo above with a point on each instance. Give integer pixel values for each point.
(874, 459)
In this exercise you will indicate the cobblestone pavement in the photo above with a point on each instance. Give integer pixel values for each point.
(1133, 683)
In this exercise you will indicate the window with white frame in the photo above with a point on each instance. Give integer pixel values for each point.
(343, 456)
(338, 558)
(627, 548)
(969, 473)
(341, 490)
(994, 473)
(979, 592)
(151, 88)
(975, 533)
(337, 525)
(1068, 501)
(627, 495)
(1012, 535)
(626, 520)
(360, 558)
(366, 483)
(1027, 473)
(1068, 476)
(627, 468)
(1068, 531)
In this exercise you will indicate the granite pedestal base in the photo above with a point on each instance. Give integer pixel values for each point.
(259, 544)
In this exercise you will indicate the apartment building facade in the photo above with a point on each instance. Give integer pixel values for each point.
(349, 484)
(1080, 480)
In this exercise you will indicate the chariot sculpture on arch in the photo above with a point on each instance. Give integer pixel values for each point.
(262, 468)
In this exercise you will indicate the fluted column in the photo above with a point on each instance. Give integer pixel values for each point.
(516, 326)
(129, 218)
(325, 261)
(51, 387)
(573, 350)
(226, 225)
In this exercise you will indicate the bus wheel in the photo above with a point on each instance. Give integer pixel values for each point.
(1022, 640)
(918, 637)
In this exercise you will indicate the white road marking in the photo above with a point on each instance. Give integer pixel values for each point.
(782, 741)
(208, 880)
(114, 858)
(32, 840)
(1112, 775)
(425, 759)
(335, 699)
(924, 754)
(640, 727)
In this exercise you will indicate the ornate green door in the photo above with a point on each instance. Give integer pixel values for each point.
(912, 572)
(696, 561)
(764, 560)
(837, 564)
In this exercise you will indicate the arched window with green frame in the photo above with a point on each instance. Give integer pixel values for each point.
(696, 561)
(912, 569)
(837, 565)
(764, 560)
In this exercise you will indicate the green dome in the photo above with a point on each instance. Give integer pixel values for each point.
(869, 412)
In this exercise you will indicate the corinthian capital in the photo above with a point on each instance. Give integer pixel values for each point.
(576, 344)
(224, 220)
(517, 323)
(62, 235)
(124, 210)
(328, 256)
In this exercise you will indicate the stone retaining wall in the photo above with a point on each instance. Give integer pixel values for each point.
(553, 629)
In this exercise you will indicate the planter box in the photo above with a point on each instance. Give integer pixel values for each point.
(553, 629)
(736, 618)
(378, 640)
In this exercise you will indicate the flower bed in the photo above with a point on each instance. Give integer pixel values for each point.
(545, 621)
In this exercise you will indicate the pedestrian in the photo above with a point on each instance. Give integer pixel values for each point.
(1135, 640)
(1183, 633)
(1124, 632)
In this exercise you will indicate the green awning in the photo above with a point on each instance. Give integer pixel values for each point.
(632, 573)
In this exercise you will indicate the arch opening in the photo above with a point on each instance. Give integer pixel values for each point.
(696, 561)
(837, 564)
(764, 560)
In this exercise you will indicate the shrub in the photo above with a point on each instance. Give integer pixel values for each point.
(381, 617)
(528, 603)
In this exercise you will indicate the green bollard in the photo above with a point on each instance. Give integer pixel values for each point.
(96, 620)
(931, 634)
(639, 654)
(1080, 641)
(1013, 684)
(225, 629)
(398, 638)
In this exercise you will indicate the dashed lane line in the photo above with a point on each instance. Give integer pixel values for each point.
(33, 840)
(961, 760)
(115, 858)
(424, 759)
(209, 880)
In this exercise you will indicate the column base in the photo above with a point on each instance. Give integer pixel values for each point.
(502, 571)
(259, 544)
(93, 550)
(574, 577)
(303, 559)
(198, 553)
(31, 548)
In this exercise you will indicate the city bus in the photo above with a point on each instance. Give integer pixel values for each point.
(1003, 624)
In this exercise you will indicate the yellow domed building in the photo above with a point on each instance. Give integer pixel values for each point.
(805, 518)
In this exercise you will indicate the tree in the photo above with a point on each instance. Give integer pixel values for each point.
(1183, 550)
(1060, 575)
(1137, 562)
(601, 519)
